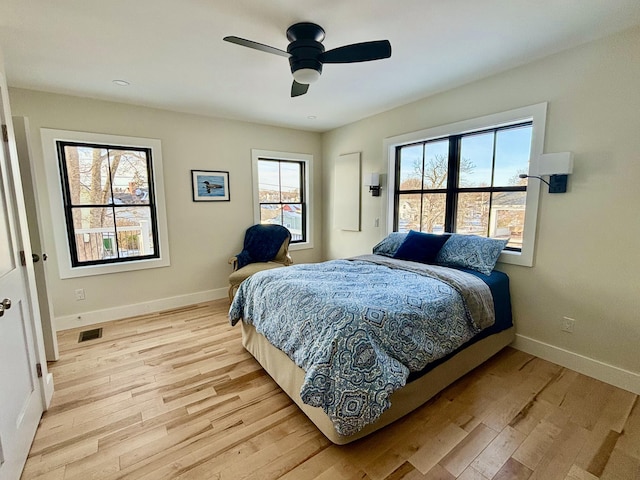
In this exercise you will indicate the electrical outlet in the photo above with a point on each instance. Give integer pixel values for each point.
(567, 324)
(80, 294)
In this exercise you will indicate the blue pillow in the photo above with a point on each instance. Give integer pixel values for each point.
(421, 247)
(389, 244)
(471, 251)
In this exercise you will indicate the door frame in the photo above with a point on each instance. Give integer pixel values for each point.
(22, 136)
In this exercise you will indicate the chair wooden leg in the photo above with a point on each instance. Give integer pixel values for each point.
(232, 292)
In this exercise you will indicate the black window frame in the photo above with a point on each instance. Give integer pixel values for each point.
(453, 189)
(281, 204)
(68, 207)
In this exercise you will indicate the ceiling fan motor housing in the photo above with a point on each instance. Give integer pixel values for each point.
(305, 47)
(305, 54)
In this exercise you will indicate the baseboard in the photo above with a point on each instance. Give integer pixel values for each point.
(84, 319)
(604, 372)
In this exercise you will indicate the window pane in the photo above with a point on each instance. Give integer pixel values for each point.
(436, 164)
(290, 175)
(130, 176)
(433, 212)
(268, 181)
(292, 219)
(513, 147)
(476, 160)
(271, 214)
(88, 174)
(411, 168)
(95, 234)
(133, 225)
(409, 212)
(507, 217)
(473, 213)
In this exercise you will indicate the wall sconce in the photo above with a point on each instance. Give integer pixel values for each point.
(558, 166)
(373, 182)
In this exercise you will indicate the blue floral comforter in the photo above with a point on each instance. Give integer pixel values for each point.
(357, 327)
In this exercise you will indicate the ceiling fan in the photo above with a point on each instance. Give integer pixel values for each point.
(306, 53)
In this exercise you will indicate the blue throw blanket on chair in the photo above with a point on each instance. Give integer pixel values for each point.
(261, 243)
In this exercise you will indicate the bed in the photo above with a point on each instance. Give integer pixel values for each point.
(348, 339)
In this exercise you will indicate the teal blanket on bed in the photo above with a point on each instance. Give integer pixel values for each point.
(357, 327)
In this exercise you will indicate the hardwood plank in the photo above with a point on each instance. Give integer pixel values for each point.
(537, 444)
(429, 454)
(621, 467)
(438, 472)
(471, 474)
(458, 459)
(173, 395)
(629, 442)
(498, 452)
(576, 473)
(560, 457)
(331, 459)
(513, 470)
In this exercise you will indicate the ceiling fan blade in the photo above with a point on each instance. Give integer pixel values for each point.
(256, 46)
(358, 52)
(298, 89)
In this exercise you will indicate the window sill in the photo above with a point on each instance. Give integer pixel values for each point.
(516, 258)
(66, 271)
(301, 246)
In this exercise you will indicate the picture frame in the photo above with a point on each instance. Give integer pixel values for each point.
(210, 186)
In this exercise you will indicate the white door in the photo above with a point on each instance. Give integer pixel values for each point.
(20, 397)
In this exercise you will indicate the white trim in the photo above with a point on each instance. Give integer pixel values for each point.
(618, 377)
(536, 113)
(56, 204)
(308, 179)
(84, 319)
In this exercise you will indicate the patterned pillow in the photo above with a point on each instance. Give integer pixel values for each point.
(390, 244)
(471, 251)
(421, 247)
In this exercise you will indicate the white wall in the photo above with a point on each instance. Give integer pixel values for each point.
(202, 235)
(587, 264)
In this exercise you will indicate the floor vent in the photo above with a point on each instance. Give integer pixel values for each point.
(90, 335)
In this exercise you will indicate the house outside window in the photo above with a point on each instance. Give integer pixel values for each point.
(464, 178)
(109, 203)
(108, 193)
(281, 192)
(467, 184)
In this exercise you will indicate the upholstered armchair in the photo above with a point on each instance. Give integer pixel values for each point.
(265, 247)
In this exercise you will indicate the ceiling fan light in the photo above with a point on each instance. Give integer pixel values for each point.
(306, 75)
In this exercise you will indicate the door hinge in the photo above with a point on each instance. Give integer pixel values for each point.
(39, 370)
(23, 259)
(5, 133)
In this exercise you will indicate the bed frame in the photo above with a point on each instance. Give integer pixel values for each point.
(290, 377)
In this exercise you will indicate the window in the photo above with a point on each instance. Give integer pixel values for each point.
(281, 183)
(464, 178)
(109, 192)
(108, 202)
(466, 183)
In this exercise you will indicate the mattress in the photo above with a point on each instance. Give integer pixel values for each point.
(290, 378)
(420, 387)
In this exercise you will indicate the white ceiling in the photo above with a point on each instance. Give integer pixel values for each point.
(173, 55)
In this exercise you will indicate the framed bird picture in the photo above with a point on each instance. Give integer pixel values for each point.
(210, 186)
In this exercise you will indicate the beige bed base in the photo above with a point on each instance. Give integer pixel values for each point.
(290, 377)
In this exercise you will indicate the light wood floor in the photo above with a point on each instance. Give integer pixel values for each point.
(175, 396)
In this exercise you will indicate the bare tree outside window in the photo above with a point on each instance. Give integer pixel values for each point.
(108, 203)
(477, 192)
